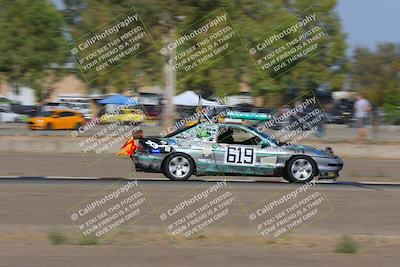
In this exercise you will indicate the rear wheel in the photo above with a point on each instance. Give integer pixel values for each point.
(49, 126)
(300, 169)
(178, 167)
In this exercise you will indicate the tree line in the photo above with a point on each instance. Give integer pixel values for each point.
(34, 52)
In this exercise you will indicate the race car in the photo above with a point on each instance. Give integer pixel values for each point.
(210, 148)
(125, 116)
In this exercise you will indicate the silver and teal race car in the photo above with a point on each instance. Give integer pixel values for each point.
(232, 149)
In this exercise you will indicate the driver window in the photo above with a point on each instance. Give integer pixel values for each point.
(233, 135)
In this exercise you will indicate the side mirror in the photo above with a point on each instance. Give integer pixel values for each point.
(264, 144)
(55, 116)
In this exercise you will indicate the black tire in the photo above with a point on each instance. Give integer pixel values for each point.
(78, 125)
(184, 167)
(49, 126)
(306, 170)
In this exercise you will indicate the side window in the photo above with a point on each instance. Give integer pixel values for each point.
(225, 135)
(240, 136)
(235, 135)
(66, 114)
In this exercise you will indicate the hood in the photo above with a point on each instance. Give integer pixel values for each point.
(311, 151)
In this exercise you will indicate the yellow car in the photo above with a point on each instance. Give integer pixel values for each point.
(125, 116)
(57, 120)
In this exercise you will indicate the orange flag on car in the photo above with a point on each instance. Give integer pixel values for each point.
(128, 148)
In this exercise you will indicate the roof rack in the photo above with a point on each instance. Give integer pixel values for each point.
(248, 116)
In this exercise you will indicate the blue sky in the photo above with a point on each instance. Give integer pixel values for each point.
(366, 22)
(369, 22)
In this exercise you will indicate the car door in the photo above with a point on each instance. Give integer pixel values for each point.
(71, 119)
(198, 142)
(240, 151)
(64, 120)
(54, 120)
(75, 120)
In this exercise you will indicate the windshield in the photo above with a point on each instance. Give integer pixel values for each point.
(265, 136)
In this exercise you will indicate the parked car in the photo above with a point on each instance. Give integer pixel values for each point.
(9, 116)
(57, 120)
(342, 113)
(124, 116)
(27, 111)
(84, 108)
(49, 106)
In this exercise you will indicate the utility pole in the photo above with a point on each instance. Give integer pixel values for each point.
(170, 80)
(169, 70)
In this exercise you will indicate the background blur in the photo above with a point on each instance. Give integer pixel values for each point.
(36, 67)
(44, 172)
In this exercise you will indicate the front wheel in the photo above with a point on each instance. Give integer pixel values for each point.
(300, 169)
(178, 167)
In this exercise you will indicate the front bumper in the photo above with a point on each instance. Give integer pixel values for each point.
(36, 126)
(329, 168)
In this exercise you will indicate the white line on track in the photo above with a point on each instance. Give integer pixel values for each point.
(71, 177)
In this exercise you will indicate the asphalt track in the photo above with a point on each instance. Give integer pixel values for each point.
(364, 207)
(37, 190)
(31, 206)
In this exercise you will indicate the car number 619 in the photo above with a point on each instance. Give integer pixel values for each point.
(239, 155)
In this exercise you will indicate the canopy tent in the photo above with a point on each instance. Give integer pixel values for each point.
(190, 98)
(118, 100)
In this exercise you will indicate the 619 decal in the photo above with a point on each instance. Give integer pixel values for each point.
(240, 155)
